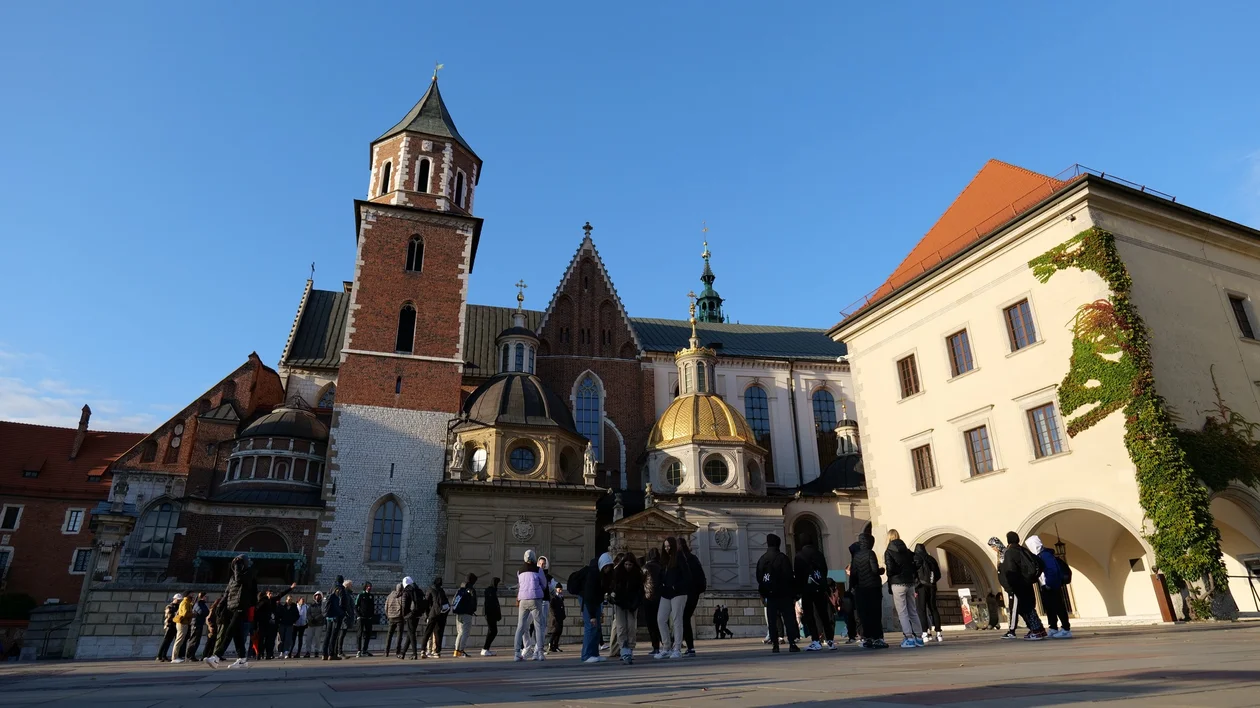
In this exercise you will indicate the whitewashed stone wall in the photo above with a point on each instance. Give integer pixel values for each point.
(377, 452)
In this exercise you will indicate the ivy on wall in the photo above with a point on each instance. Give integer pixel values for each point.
(1225, 450)
(1110, 370)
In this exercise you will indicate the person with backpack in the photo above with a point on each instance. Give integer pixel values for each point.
(1053, 584)
(1021, 570)
(673, 589)
(999, 550)
(238, 599)
(394, 616)
(438, 605)
(653, 576)
(335, 608)
(810, 569)
(590, 584)
(170, 627)
(365, 613)
(867, 586)
(493, 614)
(901, 582)
(777, 586)
(531, 594)
(415, 607)
(200, 611)
(699, 583)
(464, 608)
(556, 615)
(927, 572)
(627, 597)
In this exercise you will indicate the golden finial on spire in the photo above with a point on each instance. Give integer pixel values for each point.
(704, 228)
(691, 295)
(437, 66)
(520, 293)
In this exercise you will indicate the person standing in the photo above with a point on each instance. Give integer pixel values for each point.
(200, 611)
(183, 627)
(1053, 585)
(901, 581)
(299, 627)
(556, 615)
(493, 614)
(810, 569)
(595, 581)
(335, 615)
(675, 584)
(170, 628)
(865, 573)
(927, 573)
(415, 607)
(627, 597)
(717, 621)
(993, 604)
(777, 586)
(365, 612)
(531, 595)
(464, 608)
(286, 617)
(653, 576)
(438, 605)
(394, 616)
(348, 620)
(1021, 570)
(317, 624)
(238, 599)
(699, 583)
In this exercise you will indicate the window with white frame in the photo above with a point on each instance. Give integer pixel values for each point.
(80, 560)
(386, 179)
(73, 521)
(422, 175)
(10, 517)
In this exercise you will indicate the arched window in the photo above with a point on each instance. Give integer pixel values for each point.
(588, 417)
(157, 531)
(386, 178)
(700, 377)
(825, 426)
(422, 175)
(531, 360)
(757, 411)
(687, 378)
(520, 357)
(328, 398)
(406, 330)
(459, 189)
(387, 532)
(415, 254)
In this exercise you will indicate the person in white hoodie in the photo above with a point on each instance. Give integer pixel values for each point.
(1052, 586)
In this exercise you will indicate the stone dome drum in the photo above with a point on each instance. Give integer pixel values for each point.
(287, 423)
(701, 419)
(517, 398)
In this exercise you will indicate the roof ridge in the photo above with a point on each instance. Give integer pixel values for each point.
(69, 430)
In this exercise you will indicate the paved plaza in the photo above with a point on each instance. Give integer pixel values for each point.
(1160, 667)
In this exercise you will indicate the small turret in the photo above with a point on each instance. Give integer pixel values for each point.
(709, 303)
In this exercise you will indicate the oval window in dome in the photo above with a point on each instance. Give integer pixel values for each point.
(716, 471)
(673, 473)
(479, 460)
(523, 458)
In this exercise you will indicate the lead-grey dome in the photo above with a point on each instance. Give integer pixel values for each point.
(287, 423)
(517, 398)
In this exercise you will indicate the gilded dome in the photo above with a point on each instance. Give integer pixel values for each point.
(703, 419)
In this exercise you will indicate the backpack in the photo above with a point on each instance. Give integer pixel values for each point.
(924, 574)
(766, 582)
(1038, 567)
(1064, 570)
(394, 607)
(327, 605)
(577, 580)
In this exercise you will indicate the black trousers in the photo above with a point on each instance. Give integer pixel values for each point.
(817, 616)
(230, 631)
(332, 637)
(785, 609)
(1053, 603)
(927, 603)
(413, 623)
(492, 631)
(365, 635)
(395, 626)
(851, 624)
(434, 629)
(267, 640)
(299, 633)
(870, 610)
(1024, 604)
(557, 629)
(164, 651)
(194, 641)
(650, 608)
(689, 610)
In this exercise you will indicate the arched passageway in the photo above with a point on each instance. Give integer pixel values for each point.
(1237, 516)
(965, 564)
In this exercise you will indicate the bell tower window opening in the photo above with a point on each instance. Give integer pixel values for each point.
(405, 342)
(459, 189)
(589, 413)
(386, 178)
(422, 175)
(520, 357)
(415, 254)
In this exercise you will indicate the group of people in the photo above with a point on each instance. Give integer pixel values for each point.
(1028, 570)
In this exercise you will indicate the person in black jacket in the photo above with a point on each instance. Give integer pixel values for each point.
(927, 572)
(901, 583)
(169, 628)
(438, 605)
(864, 578)
(335, 609)
(494, 615)
(464, 608)
(673, 588)
(653, 576)
(365, 613)
(1020, 570)
(240, 595)
(556, 616)
(810, 567)
(596, 580)
(414, 609)
(699, 583)
(200, 611)
(777, 586)
(627, 597)
(286, 618)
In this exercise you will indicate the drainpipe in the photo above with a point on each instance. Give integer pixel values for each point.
(796, 432)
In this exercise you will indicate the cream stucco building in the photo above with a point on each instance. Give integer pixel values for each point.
(959, 358)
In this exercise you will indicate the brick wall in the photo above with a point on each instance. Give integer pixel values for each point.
(41, 557)
(222, 532)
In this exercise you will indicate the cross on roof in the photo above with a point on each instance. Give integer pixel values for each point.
(587, 228)
(437, 66)
(520, 292)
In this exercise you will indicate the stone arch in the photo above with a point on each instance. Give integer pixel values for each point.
(1236, 514)
(806, 524)
(261, 539)
(155, 531)
(1111, 562)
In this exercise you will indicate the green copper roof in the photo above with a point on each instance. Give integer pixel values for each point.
(709, 304)
(429, 116)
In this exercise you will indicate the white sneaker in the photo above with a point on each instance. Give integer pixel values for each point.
(487, 652)
(177, 661)
(528, 650)
(831, 645)
(212, 661)
(239, 664)
(660, 655)
(939, 637)
(675, 654)
(517, 657)
(1063, 634)
(539, 657)
(595, 660)
(813, 646)
(603, 647)
(927, 636)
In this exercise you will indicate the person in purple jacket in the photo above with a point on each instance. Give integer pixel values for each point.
(531, 594)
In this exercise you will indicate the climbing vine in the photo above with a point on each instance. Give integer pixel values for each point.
(1225, 450)
(1110, 370)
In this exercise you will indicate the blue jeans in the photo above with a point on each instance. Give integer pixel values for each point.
(590, 631)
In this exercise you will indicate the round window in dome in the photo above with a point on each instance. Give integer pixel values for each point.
(673, 473)
(479, 460)
(523, 458)
(716, 471)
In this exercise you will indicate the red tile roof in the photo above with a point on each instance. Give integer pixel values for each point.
(39, 447)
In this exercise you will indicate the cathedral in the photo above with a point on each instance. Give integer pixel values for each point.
(406, 431)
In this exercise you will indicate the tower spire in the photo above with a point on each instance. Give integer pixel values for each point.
(710, 303)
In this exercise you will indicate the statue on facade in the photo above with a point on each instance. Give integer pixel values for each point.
(619, 510)
(588, 465)
(457, 459)
(648, 500)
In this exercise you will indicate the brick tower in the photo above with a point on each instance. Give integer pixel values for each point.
(401, 363)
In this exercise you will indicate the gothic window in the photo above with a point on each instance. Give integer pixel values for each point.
(157, 531)
(386, 178)
(589, 419)
(825, 426)
(507, 353)
(459, 189)
(327, 400)
(422, 175)
(520, 357)
(531, 360)
(415, 254)
(700, 378)
(757, 411)
(387, 532)
(406, 330)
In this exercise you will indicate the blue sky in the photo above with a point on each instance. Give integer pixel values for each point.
(168, 171)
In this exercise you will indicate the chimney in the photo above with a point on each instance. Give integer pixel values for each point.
(80, 436)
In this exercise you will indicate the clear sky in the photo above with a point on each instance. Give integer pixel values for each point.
(169, 171)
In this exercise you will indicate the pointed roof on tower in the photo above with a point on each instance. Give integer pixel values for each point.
(429, 116)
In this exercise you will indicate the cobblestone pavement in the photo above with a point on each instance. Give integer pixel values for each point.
(1211, 665)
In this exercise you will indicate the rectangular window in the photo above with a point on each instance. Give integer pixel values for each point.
(1019, 325)
(82, 557)
(908, 373)
(5, 556)
(1044, 425)
(924, 474)
(11, 516)
(979, 452)
(30, 474)
(1239, 304)
(74, 521)
(960, 353)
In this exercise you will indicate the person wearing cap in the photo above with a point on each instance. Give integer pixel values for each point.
(531, 594)
(170, 627)
(595, 581)
(348, 618)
